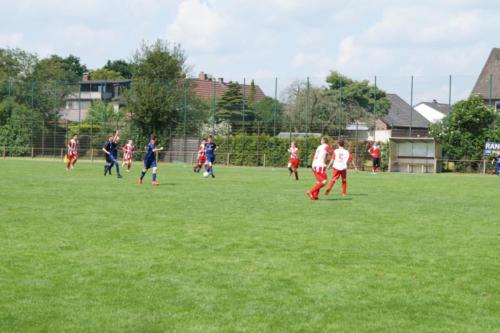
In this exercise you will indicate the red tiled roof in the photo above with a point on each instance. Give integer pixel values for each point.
(205, 89)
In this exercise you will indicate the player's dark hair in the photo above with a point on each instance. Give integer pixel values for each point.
(110, 136)
(325, 139)
(341, 143)
(153, 137)
(75, 134)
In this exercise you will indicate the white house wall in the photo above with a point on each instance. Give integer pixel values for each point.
(432, 115)
(383, 135)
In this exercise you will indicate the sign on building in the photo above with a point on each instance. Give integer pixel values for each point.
(491, 147)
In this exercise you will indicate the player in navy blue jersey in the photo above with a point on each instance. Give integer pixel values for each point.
(111, 150)
(496, 161)
(150, 160)
(210, 148)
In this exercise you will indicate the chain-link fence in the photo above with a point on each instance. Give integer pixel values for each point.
(253, 120)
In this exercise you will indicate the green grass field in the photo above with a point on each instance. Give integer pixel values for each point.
(245, 252)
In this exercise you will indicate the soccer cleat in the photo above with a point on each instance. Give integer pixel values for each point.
(154, 183)
(119, 176)
(311, 196)
(213, 176)
(140, 181)
(328, 191)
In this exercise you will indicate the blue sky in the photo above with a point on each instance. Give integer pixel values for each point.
(288, 39)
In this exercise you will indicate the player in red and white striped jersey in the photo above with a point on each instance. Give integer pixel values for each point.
(293, 162)
(375, 152)
(319, 168)
(339, 161)
(128, 154)
(72, 154)
(202, 158)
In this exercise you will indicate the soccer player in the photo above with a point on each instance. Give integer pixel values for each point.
(375, 152)
(340, 158)
(150, 160)
(128, 154)
(111, 150)
(293, 162)
(201, 156)
(496, 160)
(72, 154)
(210, 148)
(319, 168)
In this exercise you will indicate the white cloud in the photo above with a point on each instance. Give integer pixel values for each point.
(196, 26)
(11, 39)
(417, 40)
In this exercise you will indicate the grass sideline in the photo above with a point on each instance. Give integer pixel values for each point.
(245, 252)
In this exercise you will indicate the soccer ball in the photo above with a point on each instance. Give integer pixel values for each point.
(205, 174)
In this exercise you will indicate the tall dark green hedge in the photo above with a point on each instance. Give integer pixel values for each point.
(255, 150)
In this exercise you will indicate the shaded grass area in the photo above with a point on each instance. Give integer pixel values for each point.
(245, 252)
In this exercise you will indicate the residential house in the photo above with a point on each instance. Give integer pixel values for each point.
(433, 111)
(78, 103)
(401, 121)
(207, 88)
(488, 82)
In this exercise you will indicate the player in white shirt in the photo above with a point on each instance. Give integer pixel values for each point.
(319, 168)
(339, 161)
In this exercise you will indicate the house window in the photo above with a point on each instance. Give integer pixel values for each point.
(497, 106)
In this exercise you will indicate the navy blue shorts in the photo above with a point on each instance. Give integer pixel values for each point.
(376, 162)
(211, 159)
(150, 164)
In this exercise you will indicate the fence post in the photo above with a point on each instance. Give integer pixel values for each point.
(92, 154)
(32, 152)
(264, 160)
(4, 152)
(227, 159)
(484, 166)
(62, 151)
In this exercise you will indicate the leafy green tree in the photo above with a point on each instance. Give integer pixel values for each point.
(17, 124)
(50, 87)
(329, 109)
(267, 112)
(16, 64)
(123, 67)
(358, 94)
(101, 112)
(16, 68)
(155, 99)
(463, 132)
(105, 74)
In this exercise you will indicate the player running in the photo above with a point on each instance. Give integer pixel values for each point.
(111, 150)
(210, 148)
(293, 162)
(202, 158)
(150, 160)
(339, 161)
(72, 154)
(496, 161)
(375, 152)
(128, 154)
(319, 168)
